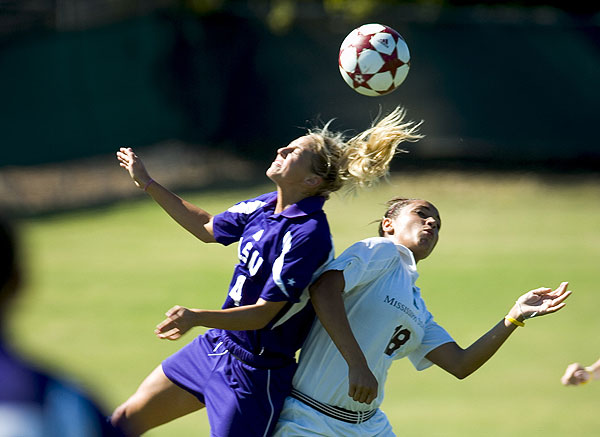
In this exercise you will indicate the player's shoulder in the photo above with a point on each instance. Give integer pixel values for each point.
(266, 197)
(250, 205)
(314, 226)
(379, 244)
(370, 248)
(313, 234)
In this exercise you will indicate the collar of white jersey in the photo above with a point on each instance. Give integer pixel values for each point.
(409, 260)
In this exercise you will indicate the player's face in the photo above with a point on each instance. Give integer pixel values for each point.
(293, 163)
(416, 226)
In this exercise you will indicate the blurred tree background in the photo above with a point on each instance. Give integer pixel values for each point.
(499, 84)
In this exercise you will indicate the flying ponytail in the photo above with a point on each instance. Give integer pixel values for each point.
(363, 159)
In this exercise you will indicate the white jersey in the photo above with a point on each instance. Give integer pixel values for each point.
(388, 318)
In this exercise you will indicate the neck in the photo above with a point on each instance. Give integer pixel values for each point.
(286, 198)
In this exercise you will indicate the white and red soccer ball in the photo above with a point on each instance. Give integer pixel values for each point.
(374, 59)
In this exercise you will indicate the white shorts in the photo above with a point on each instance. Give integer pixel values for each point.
(298, 419)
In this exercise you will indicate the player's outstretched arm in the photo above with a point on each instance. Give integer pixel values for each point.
(195, 220)
(576, 374)
(462, 362)
(326, 297)
(244, 318)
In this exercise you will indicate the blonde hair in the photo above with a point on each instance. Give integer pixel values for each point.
(363, 159)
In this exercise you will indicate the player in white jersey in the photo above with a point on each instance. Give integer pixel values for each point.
(387, 319)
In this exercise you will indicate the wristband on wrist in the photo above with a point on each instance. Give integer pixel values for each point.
(514, 321)
(148, 184)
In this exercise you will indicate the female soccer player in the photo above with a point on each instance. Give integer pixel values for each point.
(241, 370)
(375, 280)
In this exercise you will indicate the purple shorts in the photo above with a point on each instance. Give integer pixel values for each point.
(240, 399)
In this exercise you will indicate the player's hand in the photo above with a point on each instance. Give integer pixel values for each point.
(179, 321)
(363, 384)
(542, 301)
(134, 165)
(575, 375)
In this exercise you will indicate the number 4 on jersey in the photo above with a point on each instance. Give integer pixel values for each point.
(236, 291)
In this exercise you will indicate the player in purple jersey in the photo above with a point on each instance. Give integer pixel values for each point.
(368, 303)
(34, 403)
(241, 369)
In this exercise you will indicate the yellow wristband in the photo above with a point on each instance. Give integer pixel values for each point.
(514, 321)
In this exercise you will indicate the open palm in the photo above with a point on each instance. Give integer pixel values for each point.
(542, 301)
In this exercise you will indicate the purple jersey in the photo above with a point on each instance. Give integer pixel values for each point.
(279, 255)
(243, 377)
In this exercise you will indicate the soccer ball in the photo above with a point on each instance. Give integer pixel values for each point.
(374, 59)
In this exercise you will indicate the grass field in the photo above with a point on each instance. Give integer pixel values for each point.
(100, 280)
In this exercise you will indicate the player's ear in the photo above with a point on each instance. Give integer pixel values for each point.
(313, 181)
(387, 226)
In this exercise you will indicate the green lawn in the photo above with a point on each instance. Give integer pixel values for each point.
(100, 280)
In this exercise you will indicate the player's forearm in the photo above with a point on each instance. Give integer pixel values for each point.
(463, 362)
(341, 334)
(594, 370)
(231, 319)
(488, 344)
(485, 347)
(243, 318)
(326, 297)
(195, 220)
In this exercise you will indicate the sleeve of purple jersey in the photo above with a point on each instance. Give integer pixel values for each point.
(229, 225)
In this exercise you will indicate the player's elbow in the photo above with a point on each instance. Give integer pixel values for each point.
(204, 231)
(263, 313)
(205, 238)
(462, 370)
(453, 359)
(461, 374)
